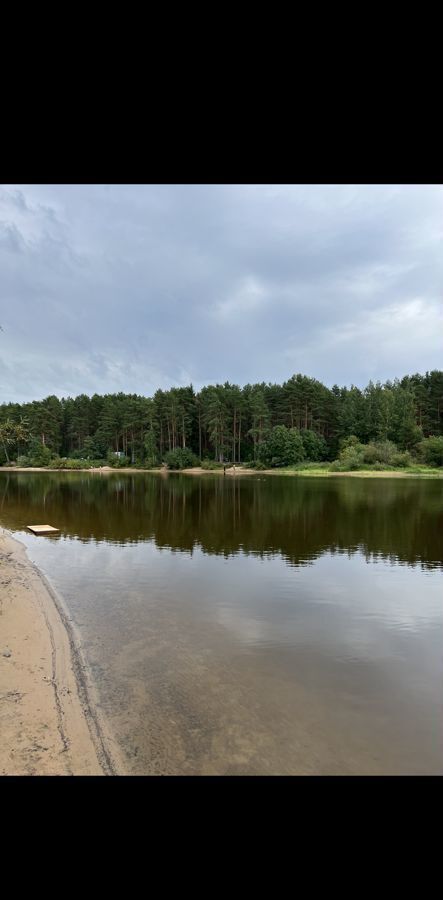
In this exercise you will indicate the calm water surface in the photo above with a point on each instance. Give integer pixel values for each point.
(258, 625)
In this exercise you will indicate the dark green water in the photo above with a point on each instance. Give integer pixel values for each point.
(266, 625)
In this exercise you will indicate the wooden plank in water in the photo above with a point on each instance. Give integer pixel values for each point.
(41, 529)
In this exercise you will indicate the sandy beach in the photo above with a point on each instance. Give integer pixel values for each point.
(49, 724)
(301, 473)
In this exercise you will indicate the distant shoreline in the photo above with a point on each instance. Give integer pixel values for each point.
(239, 471)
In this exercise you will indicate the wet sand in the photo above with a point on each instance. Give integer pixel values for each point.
(49, 724)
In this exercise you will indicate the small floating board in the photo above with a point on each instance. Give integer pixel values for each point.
(42, 529)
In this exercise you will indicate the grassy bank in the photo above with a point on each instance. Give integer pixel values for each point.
(324, 469)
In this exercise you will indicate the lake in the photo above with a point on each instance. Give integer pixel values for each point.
(251, 625)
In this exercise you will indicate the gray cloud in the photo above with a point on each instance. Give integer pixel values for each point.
(107, 288)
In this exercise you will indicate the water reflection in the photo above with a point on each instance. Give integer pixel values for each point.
(296, 518)
(251, 626)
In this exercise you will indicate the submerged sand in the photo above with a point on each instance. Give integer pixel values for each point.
(49, 724)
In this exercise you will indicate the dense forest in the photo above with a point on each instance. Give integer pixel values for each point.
(268, 423)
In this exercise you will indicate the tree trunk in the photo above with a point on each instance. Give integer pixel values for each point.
(234, 436)
(199, 435)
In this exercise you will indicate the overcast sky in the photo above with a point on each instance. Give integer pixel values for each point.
(135, 287)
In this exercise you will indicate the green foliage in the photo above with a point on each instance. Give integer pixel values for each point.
(38, 453)
(211, 464)
(150, 448)
(385, 452)
(377, 455)
(89, 449)
(61, 463)
(140, 464)
(350, 441)
(351, 458)
(12, 436)
(181, 458)
(282, 447)
(314, 445)
(24, 462)
(117, 462)
(227, 423)
(370, 454)
(402, 460)
(431, 450)
(75, 454)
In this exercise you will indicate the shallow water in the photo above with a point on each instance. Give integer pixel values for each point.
(258, 625)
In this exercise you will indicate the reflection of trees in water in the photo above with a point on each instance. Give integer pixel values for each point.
(297, 518)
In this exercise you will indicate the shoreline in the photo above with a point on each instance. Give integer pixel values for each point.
(239, 471)
(50, 723)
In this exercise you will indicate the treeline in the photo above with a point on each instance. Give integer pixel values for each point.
(226, 423)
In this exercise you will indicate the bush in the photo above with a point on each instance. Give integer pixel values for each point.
(315, 446)
(386, 450)
(431, 450)
(60, 463)
(39, 454)
(210, 464)
(351, 457)
(409, 436)
(350, 441)
(117, 462)
(145, 464)
(283, 447)
(181, 458)
(24, 462)
(378, 455)
(85, 452)
(370, 454)
(401, 460)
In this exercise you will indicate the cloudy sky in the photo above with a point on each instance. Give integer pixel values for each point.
(130, 288)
